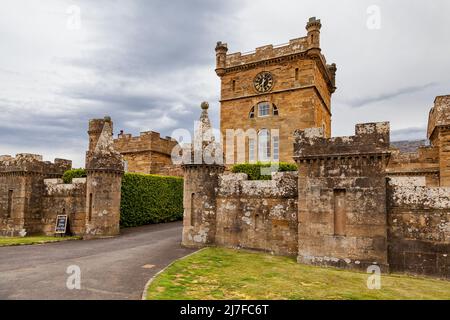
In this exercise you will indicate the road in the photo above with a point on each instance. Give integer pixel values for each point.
(114, 268)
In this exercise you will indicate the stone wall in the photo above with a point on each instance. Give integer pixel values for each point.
(439, 136)
(337, 210)
(342, 197)
(422, 162)
(419, 228)
(64, 199)
(259, 215)
(21, 191)
(32, 194)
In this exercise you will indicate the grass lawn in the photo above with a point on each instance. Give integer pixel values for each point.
(217, 273)
(17, 241)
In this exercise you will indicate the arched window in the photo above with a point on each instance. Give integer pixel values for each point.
(275, 110)
(263, 109)
(251, 115)
(264, 145)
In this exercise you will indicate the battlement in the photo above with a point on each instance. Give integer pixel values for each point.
(369, 138)
(33, 163)
(439, 115)
(146, 141)
(270, 51)
(302, 48)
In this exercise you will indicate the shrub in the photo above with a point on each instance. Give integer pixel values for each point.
(150, 199)
(74, 173)
(253, 170)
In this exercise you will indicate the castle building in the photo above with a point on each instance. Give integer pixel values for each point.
(354, 202)
(147, 153)
(269, 93)
(32, 193)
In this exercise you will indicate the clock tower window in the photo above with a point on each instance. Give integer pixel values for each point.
(263, 109)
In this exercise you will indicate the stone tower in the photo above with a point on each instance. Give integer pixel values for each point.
(104, 168)
(342, 215)
(273, 91)
(439, 135)
(200, 182)
(21, 189)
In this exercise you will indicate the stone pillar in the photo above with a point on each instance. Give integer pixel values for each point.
(221, 58)
(439, 136)
(201, 179)
(313, 27)
(104, 168)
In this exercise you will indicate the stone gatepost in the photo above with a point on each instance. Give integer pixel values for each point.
(202, 167)
(104, 168)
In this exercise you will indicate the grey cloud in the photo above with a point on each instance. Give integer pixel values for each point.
(362, 102)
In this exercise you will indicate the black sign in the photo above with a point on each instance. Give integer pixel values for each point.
(61, 224)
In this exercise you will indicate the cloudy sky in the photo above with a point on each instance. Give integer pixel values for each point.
(149, 63)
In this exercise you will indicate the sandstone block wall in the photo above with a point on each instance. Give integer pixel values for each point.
(423, 162)
(21, 191)
(199, 202)
(439, 136)
(342, 197)
(32, 194)
(64, 199)
(419, 228)
(259, 215)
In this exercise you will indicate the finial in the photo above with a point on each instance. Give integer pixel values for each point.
(107, 119)
(205, 105)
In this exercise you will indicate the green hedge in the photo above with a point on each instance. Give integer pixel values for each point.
(146, 199)
(253, 170)
(74, 173)
(150, 199)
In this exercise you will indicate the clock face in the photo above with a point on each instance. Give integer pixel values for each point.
(263, 82)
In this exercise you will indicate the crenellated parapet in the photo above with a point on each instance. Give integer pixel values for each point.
(146, 141)
(439, 136)
(306, 48)
(370, 139)
(439, 117)
(25, 163)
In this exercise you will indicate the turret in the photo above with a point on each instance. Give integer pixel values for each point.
(201, 178)
(95, 129)
(221, 58)
(439, 136)
(313, 27)
(104, 167)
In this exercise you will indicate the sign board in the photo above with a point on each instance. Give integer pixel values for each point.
(61, 224)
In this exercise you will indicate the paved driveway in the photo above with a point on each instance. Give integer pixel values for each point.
(116, 268)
